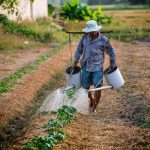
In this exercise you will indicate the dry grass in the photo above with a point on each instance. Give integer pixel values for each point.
(9, 42)
(16, 102)
(23, 94)
(15, 41)
(115, 126)
(127, 25)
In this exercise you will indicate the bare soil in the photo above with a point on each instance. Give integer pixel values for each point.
(11, 61)
(116, 124)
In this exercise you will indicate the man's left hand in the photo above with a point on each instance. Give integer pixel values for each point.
(114, 66)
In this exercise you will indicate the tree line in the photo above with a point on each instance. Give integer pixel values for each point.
(133, 2)
(147, 2)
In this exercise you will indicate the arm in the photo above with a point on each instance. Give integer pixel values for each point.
(110, 50)
(78, 52)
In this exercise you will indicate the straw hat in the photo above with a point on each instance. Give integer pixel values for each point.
(91, 26)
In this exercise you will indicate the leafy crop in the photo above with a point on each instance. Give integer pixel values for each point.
(54, 128)
(66, 114)
(77, 11)
(71, 93)
(7, 83)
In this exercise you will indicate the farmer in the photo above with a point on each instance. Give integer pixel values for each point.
(92, 47)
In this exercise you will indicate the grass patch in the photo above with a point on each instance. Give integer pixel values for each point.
(7, 83)
(16, 28)
(145, 124)
(10, 42)
(125, 26)
(44, 113)
(147, 75)
(29, 34)
(126, 8)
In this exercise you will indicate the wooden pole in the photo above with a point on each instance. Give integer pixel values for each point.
(73, 32)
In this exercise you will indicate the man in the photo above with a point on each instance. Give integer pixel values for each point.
(92, 47)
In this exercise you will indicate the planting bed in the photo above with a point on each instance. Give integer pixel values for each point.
(15, 104)
(122, 120)
(11, 61)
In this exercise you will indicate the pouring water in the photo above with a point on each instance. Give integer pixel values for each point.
(79, 100)
(59, 97)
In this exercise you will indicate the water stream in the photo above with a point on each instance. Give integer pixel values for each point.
(58, 98)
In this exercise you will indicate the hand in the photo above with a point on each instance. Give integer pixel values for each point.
(113, 67)
(75, 64)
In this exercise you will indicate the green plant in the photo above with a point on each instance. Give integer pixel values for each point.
(44, 112)
(15, 28)
(66, 114)
(71, 93)
(53, 126)
(7, 83)
(147, 75)
(55, 123)
(145, 124)
(77, 11)
(51, 8)
(2, 47)
(41, 143)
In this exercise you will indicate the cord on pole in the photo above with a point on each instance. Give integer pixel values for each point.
(70, 47)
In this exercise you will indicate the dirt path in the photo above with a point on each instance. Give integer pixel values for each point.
(115, 125)
(16, 102)
(11, 61)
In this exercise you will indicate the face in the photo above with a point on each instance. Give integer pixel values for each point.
(93, 34)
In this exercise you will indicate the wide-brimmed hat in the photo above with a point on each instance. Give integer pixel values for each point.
(91, 26)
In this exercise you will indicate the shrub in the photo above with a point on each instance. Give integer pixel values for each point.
(51, 8)
(77, 11)
(15, 28)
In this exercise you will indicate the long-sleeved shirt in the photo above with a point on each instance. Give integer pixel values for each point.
(92, 52)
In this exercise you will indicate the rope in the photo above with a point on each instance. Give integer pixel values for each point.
(102, 78)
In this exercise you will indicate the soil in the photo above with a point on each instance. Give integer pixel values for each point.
(10, 61)
(119, 114)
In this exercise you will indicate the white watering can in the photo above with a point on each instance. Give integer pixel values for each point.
(73, 76)
(114, 79)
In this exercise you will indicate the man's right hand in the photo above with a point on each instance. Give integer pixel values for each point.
(75, 64)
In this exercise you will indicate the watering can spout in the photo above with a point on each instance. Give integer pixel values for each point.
(114, 79)
(100, 88)
(69, 87)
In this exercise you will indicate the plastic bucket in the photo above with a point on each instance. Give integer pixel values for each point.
(115, 78)
(73, 78)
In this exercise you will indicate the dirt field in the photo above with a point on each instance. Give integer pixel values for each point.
(11, 61)
(115, 125)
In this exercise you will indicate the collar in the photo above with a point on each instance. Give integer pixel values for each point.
(96, 39)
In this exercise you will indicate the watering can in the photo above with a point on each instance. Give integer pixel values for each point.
(113, 77)
(73, 76)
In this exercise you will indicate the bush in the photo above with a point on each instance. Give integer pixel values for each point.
(76, 11)
(51, 9)
(15, 28)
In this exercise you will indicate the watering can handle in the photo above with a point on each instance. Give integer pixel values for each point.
(72, 70)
